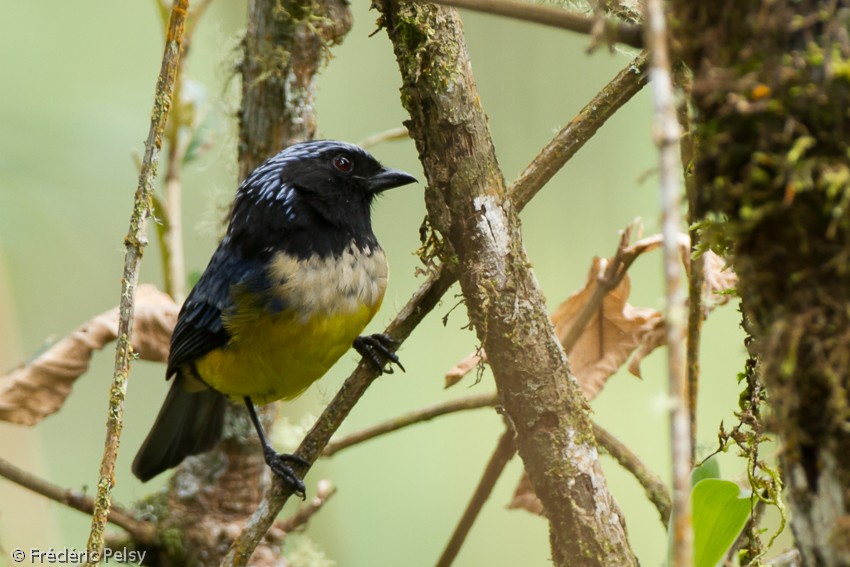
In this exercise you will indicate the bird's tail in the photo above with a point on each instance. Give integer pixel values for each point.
(190, 422)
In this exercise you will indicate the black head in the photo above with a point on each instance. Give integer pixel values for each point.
(336, 172)
(323, 187)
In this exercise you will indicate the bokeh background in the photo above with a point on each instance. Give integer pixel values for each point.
(77, 86)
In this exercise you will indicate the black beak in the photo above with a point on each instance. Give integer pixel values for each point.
(388, 178)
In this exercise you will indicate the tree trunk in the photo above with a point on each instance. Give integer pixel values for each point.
(771, 91)
(480, 230)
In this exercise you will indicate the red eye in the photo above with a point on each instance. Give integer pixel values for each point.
(343, 164)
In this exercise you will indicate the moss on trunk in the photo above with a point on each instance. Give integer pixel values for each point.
(771, 92)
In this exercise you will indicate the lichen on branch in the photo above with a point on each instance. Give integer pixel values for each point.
(467, 205)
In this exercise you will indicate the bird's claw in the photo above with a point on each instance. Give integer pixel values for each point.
(279, 463)
(378, 349)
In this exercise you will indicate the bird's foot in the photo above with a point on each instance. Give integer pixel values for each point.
(280, 464)
(379, 349)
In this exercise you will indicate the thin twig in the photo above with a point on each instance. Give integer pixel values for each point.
(504, 452)
(612, 30)
(615, 271)
(628, 82)
(171, 235)
(140, 531)
(554, 156)
(656, 490)
(417, 416)
(135, 242)
(195, 16)
(666, 134)
(696, 273)
(170, 210)
(390, 135)
(324, 491)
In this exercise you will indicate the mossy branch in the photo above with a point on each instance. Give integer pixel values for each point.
(468, 205)
(135, 242)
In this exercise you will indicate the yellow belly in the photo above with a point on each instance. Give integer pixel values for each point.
(277, 356)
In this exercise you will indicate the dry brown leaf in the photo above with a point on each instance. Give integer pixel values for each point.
(608, 339)
(654, 338)
(38, 388)
(464, 367)
(718, 279)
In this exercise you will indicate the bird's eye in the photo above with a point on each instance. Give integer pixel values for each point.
(343, 163)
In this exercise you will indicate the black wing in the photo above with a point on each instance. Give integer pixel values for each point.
(200, 328)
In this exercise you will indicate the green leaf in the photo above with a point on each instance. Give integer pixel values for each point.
(709, 468)
(720, 510)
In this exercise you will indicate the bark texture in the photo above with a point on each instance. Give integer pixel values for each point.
(771, 92)
(480, 234)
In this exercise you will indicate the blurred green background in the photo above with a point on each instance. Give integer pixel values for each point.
(77, 87)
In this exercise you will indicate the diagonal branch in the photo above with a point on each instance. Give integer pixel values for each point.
(626, 84)
(656, 490)
(402, 421)
(141, 531)
(468, 205)
(504, 452)
(135, 242)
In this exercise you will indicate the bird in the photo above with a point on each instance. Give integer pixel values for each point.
(294, 281)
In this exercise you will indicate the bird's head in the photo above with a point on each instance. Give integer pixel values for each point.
(320, 181)
(334, 171)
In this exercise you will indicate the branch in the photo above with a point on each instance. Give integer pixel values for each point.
(390, 135)
(696, 274)
(171, 233)
(422, 302)
(656, 490)
(135, 242)
(612, 30)
(141, 532)
(504, 452)
(324, 491)
(628, 82)
(667, 133)
(468, 205)
(417, 416)
(169, 210)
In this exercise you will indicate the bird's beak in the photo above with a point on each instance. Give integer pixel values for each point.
(388, 178)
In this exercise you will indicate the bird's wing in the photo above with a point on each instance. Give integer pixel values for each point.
(200, 327)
